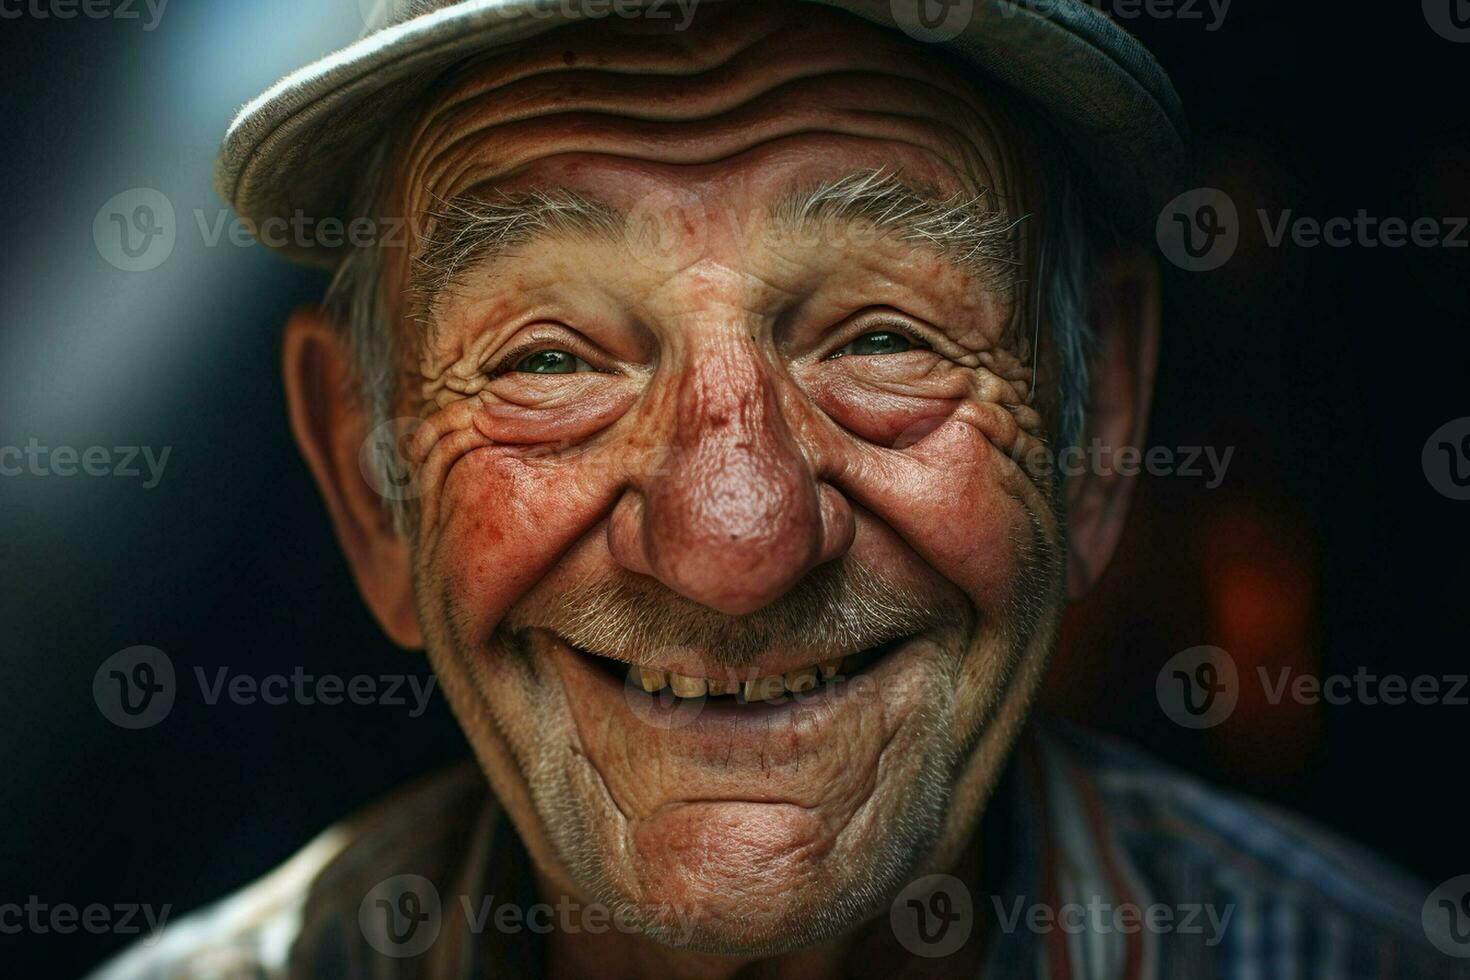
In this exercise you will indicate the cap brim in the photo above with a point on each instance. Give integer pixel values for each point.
(290, 153)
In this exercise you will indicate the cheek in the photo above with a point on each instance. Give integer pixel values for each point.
(953, 499)
(503, 498)
(934, 463)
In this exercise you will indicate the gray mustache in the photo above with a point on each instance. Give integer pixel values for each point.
(838, 608)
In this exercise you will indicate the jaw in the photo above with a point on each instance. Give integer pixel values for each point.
(734, 828)
(731, 828)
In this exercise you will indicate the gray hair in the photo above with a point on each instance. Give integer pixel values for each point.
(356, 302)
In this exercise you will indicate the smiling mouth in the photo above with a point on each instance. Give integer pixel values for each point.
(746, 690)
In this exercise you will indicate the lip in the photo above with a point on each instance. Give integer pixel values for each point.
(721, 718)
(768, 666)
(819, 756)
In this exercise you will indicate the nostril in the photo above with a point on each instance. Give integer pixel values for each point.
(626, 538)
(838, 524)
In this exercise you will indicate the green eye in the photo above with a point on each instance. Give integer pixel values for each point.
(877, 342)
(551, 362)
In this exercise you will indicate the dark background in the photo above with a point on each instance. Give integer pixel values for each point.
(1325, 549)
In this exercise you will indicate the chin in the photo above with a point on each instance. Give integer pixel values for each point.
(770, 863)
(745, 883)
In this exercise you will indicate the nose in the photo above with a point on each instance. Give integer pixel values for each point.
(735, 515)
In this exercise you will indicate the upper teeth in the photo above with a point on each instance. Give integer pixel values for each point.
(759, 689)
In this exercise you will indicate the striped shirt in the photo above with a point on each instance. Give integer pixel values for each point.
(1113, 867)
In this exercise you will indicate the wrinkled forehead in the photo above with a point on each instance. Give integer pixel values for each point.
(740, 103)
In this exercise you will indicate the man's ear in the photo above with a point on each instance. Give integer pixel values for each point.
(329, 425)
(1124, 314)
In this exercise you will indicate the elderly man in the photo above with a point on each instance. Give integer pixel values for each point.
(691, 407)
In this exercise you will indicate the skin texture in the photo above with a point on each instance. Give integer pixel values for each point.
(730, 469)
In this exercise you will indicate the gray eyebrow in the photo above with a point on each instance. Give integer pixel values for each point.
(965, 228)
(469, 230)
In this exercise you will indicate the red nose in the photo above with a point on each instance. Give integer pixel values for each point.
(735, 516)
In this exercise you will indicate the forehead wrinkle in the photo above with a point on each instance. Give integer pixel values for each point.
(519, 146)
(753, 49)
(763, 33)
(847, 99)
(611, 51)
(647, 86)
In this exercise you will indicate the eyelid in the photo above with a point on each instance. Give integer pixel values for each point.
(542, 339)
(881, 323)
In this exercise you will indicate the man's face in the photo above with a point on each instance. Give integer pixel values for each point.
(721, 369)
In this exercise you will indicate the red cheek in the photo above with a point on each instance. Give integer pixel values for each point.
(507, 520)
(950, 496)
